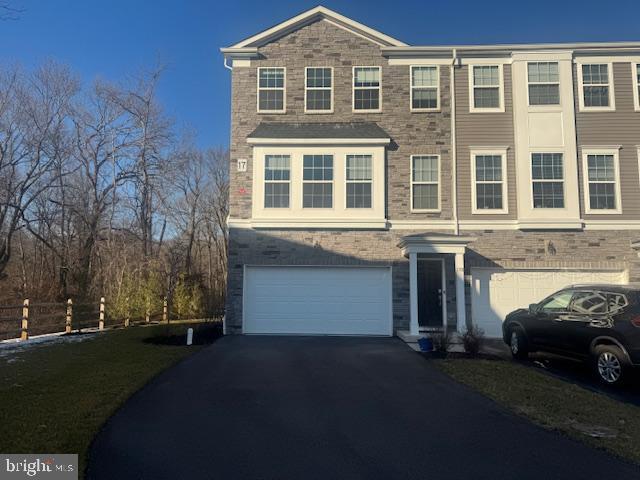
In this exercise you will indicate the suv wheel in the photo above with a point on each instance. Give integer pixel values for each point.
(610, 363)
(518, 344)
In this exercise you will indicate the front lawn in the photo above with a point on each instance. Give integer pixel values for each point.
(54, 398)
(552, 403)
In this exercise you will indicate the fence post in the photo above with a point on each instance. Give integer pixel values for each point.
(147, 314)
(165, 311)
(127, 315)
(24, 335)
(101, 321)
(67, 325)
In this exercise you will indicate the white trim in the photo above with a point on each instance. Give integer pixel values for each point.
(472, 107)
(612, 225)
(543, 106)
(317, 141)
(636, 85)
(353, 89)
(585, 180)
(429, 224)
(412, 88)
(588, 59)
(419, 62)
(612, 97)
(363, 182)
(309, 16)
(505, 193)
(306, 88)
(284, 90)
(425, 210)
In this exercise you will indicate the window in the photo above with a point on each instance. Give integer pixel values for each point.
(366, 89)
(596, 85)
(277, 176)
(547, 173)
(486, 88)
(557, 302)
(317, 181)
(544, 83)
(602, 181)
(425, 183)
(617, 302)
(636, 84)
(488, 177)
(271, 90)
(589, 303)
(425, 86)
(359, 181)
(318, 92)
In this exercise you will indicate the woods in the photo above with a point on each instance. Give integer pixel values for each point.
(101, 195)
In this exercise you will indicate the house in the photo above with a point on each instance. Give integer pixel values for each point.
(379, 188)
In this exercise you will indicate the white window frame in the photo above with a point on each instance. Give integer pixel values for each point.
(636, 85)
(532, 180)
(347, 181)
(412, 88)
(284, 91)
(612, 96)
(425, 210)
(502, 152)
(615, 152)
(500, 108)
(306, 89)
(265, 182)
(548, 105)
(333, 183)
(353, 89)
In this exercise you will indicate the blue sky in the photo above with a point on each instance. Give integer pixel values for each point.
(110, 39)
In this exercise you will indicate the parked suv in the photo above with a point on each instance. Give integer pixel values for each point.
(597, 323)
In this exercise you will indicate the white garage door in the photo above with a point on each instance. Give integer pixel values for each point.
(497, 292)
(318, 300)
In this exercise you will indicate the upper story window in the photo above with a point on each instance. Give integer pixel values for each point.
(318, 90)
(602, 181)
(489, 181)
(547, 174)
(486, 90)
(544, 83)
(358, 180)
(277, 178)
(425, 183)
(425, 88)
(317, 181)
(636, 84)
(596, 86)
(366, 89)
(271, 90)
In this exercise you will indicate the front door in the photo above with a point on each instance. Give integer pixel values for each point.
(429, 293)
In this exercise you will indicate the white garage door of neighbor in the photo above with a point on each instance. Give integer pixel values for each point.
(318, 300)
(497, 292)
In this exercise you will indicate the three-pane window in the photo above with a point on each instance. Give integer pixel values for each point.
(271, 89)
(489, 182)
(595, 86)
(547, 173)
(277, 178)
(425, 179)
(366, 88)
(317, 181)
(424, 88)
(602, 179)
(544, 83)
(485, 82)
(318, 91)
(359, 177)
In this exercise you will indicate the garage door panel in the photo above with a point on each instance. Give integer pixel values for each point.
(318, 300)
(497, 292)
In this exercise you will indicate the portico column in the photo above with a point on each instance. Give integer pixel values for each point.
(460, 297)
(413, 294)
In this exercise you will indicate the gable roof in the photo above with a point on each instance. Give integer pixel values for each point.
(313, 15)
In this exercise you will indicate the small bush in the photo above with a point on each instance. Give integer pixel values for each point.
(441, 341)
(472, 340)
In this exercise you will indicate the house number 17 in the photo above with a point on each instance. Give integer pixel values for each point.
(242, 164)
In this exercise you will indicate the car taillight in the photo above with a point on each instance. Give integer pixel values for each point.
(636, 321)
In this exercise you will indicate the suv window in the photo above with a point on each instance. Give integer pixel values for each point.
(557, 302)
(617, 302)
(589, 303)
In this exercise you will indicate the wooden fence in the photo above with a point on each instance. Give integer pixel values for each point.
(30, 319)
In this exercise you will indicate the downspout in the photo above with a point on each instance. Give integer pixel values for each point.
(224, 317)
(454, 163)
(226, 65)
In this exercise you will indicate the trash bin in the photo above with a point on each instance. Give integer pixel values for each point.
(425, 344)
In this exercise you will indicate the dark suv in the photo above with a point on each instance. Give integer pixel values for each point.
(600, 323)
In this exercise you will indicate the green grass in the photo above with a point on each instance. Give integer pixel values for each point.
(553, 403)
(54, 398)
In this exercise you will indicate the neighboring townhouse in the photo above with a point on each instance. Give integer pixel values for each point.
(379, 188)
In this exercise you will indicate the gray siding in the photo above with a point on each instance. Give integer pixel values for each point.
(621, 127)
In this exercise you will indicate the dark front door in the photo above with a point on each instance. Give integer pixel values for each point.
(429, 293)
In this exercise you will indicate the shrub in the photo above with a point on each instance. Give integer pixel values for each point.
(472, 340)
(187, 300)
(441, 341)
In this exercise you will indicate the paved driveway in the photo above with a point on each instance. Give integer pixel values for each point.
(327, 408)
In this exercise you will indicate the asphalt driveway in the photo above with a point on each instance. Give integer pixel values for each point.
(327, 408)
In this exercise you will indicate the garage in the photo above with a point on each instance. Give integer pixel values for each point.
(496, 292)
(318, 300)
